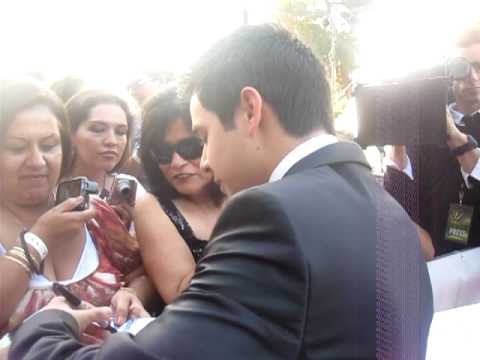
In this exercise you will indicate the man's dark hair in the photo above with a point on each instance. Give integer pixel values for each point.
(284, 71)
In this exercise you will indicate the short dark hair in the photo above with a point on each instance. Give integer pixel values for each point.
(158, 113)
(81, 104)
(17, 96)
(269, 58)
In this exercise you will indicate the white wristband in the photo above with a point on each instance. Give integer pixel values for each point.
(35, 242)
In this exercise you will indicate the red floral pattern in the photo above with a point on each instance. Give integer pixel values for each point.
(118, 255)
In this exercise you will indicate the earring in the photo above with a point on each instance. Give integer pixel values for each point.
(51, 197)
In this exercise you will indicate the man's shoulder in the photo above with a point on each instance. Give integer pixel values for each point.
(300, 195)
(251, 202)
(278, 194)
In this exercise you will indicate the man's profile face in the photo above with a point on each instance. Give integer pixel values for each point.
(468, 90)
(226, 152)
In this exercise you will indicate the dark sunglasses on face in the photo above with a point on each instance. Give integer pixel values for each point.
(188, 149)
(460, 68)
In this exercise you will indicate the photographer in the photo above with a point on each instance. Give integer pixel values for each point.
(433, 183)
(60, 244)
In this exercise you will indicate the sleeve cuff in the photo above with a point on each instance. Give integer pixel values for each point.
(53, 315)
(475, 174)
(408, 170)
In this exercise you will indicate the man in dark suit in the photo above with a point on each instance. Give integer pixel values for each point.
(433, 180)
(310, 259)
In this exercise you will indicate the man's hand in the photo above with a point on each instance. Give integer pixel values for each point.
(455, 137)
(126, 305)
(85, 316)
(398, 155)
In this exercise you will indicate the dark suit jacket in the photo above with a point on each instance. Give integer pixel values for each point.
(322, 264)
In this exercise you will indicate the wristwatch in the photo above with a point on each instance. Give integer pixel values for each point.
(462, 149)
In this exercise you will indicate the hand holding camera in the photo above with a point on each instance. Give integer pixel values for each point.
(78, 186)
(71, 212)
(62, 221)
(455, 137)
(411, 110)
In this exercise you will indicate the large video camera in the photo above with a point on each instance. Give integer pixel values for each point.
(410, 111)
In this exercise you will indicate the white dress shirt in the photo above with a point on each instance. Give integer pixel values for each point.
(301, 151)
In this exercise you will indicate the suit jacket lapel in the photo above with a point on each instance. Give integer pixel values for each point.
(341, 152)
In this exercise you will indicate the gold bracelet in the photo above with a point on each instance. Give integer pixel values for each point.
(18, 256)
(34, 258)
(24, 266)
(19, 252)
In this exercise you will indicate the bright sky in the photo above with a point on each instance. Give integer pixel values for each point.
(113, 40)
(401, 36)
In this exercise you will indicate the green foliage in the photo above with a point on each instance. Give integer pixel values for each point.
(309, 20)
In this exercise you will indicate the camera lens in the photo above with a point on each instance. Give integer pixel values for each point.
(124, 188)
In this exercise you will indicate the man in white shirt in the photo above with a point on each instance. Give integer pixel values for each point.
(433, 183)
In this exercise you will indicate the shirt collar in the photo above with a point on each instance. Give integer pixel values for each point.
(300, 152)
(457, 115)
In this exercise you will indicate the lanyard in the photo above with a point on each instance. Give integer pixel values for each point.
(461, 194)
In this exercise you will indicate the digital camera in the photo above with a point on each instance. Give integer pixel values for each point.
(78, 186)
(123, 189)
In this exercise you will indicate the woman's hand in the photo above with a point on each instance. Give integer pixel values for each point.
(126, 305)
(62, 221)
(124, 212)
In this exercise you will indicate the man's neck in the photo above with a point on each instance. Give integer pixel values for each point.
(285, 156)
(466, 108)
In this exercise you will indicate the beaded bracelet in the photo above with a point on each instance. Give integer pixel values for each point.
(20, 253)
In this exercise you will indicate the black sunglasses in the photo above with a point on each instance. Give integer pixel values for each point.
(189, 149)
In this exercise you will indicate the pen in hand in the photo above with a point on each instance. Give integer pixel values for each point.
(75, 302)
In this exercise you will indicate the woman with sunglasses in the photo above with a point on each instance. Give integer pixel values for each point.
(185, 200)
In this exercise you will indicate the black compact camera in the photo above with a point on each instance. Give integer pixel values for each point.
(78, 186)
(122, 189)
(409, 111)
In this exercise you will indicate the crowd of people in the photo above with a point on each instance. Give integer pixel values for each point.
(254, 233)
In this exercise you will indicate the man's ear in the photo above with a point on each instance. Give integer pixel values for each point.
(251, 103)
